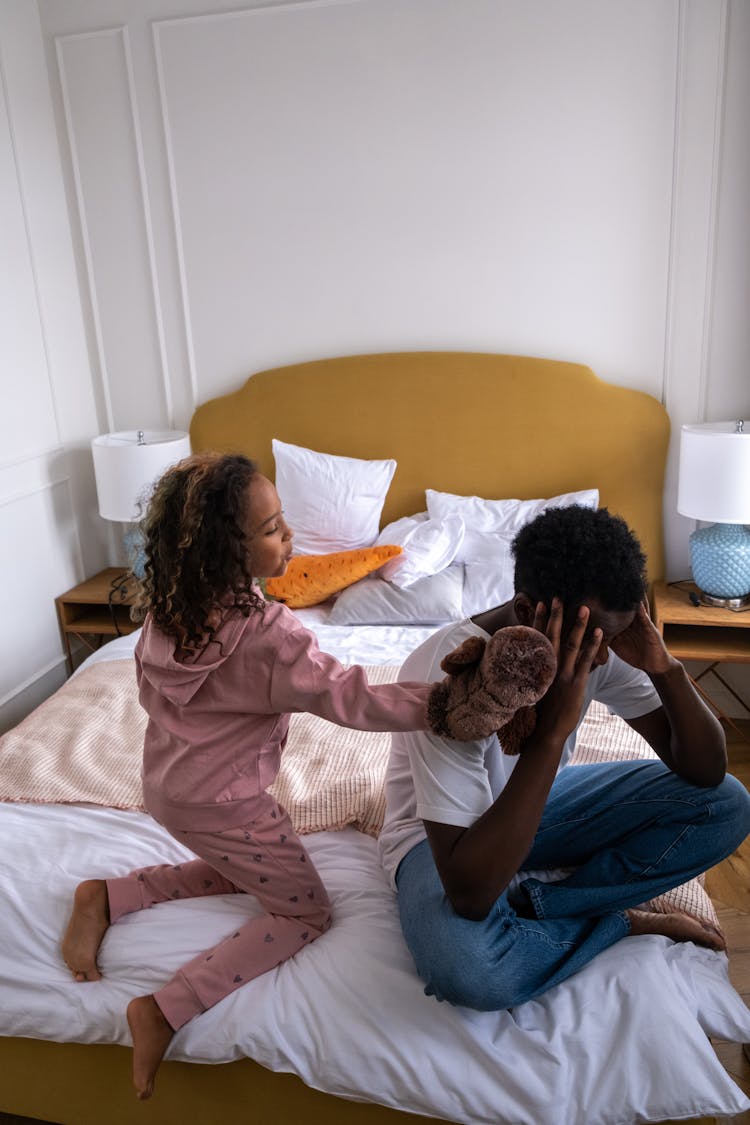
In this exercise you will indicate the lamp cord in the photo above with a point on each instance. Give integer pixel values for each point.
(117, 592)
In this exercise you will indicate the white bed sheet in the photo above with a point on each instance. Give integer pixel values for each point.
(623, 1041)
(365, 644)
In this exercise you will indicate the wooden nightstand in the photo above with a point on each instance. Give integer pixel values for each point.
(690, 632)
(96, 609)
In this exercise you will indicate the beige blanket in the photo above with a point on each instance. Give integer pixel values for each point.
(84, 744)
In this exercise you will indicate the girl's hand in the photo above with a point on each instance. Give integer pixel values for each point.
(559, 710)
(641, 646)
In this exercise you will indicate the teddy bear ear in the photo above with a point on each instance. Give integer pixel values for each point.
(518, 728)
(468, 653)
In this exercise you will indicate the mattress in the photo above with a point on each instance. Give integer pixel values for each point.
(625, 1040)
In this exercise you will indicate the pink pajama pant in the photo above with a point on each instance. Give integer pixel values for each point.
(264, 858)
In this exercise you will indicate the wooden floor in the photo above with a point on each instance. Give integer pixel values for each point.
(729, 887)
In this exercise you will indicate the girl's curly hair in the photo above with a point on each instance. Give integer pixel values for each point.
(196, 549)
(576, 553)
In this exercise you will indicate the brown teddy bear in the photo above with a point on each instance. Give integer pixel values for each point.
(492, 686)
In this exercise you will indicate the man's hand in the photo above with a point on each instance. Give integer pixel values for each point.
(559, 710)
(641, 646)
(477, 863)
(684, 732)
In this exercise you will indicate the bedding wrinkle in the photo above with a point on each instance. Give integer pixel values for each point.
(440, 1061)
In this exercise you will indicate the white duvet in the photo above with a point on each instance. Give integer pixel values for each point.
(623, 1041)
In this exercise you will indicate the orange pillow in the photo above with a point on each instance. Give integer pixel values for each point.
(310, 579)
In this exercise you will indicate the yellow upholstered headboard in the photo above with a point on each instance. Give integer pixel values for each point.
(471, 423)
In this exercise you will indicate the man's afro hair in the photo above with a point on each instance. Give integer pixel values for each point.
(576, 553)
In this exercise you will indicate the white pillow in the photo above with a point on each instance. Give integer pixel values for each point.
(485, 519)
(429, 601)
(429, 546)
(491, 526)
(331, 503)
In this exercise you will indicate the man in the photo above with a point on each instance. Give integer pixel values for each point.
(513, 872)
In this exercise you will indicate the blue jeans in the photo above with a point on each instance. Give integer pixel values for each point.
(631, 830)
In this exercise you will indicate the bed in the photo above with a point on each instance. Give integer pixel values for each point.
(343, 1032)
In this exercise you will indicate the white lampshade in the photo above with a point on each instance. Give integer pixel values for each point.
(714, 476)
(714, 486)
(128, 464)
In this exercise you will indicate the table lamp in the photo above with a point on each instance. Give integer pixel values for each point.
(127, 465)
(714, 485)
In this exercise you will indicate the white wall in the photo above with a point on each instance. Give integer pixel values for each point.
(48, 535)
(296, 180)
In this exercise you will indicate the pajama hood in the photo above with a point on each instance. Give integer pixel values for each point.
(179, 680)
(218, 723)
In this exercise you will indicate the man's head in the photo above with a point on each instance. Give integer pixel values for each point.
(582, 556)
(576, 553)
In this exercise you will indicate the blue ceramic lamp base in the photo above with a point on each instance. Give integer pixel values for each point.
(720, 561)
(135, 550)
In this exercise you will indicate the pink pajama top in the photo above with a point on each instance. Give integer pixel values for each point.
(218, 723)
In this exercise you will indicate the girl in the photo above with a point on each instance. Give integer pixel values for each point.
(219, 670)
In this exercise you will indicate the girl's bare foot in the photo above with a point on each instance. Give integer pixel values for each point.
(679, 927)
(86, 928)
(151, 1037)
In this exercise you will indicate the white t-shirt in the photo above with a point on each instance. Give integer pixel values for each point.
(432, 778)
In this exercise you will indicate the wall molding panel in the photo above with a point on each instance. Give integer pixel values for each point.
(699, 108)
(26, 478)
(161, 29)
(385, 218)
(728, 362)
(715, 192)
(149, 229)
(86, 240)
(102, 120)
(175, 213)
(24, 338)
(46, 477)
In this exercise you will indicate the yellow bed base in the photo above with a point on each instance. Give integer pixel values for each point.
(71, 1084)
(474, 424)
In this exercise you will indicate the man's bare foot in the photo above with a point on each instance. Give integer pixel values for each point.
(151, 1037)
(87, 926)
(678, 926)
